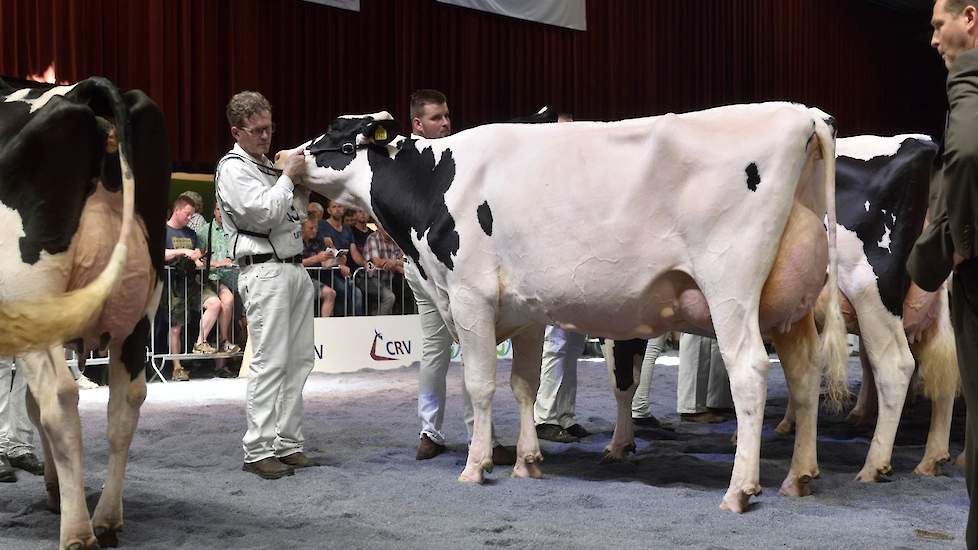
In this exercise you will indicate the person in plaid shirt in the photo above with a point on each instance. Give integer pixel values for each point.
(384, 259)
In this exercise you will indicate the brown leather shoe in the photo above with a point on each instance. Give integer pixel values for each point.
(428, 448)
(297, 460)
(503, 456)
(268, 468)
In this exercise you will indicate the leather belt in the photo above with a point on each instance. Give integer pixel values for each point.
(262, 258)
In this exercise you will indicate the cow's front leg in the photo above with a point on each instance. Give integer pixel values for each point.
(798, 350)
(126, 395)
(475, 324)
(525, 381)
(621, 356)
(937, 357)
(747, 364)
(57, 399)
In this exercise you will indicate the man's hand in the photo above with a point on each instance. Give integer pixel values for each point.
(194, 254)
(345, 270)
(295, 165)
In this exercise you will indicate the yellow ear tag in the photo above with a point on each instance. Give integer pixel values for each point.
(380, 134)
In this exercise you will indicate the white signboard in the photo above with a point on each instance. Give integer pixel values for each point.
(349, 344)
(562, 13)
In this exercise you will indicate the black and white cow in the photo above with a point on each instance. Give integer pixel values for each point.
(510, 225)
(65, 155)
(882, 191)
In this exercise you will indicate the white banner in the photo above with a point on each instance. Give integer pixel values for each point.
(349, 344)
(352, 5)
(571, 14)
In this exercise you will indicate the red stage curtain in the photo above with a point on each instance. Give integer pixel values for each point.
(869, 66)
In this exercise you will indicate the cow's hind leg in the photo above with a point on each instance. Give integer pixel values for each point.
(57, 399)
(525, 381)
(623, 358)
(50, 470)
(798, 350)
(126, 395)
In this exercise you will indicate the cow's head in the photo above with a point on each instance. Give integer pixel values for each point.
(337, 160)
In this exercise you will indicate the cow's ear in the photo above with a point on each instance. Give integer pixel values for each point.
(381, 132)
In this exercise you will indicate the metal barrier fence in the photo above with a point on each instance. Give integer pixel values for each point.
(366, 292)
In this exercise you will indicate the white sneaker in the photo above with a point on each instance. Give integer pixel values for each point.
(85, 384)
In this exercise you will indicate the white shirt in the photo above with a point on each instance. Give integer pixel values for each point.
(259, 201)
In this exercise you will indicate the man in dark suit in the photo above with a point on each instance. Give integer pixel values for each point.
(948, 242)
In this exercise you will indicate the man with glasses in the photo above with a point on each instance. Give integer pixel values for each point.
(265, 238)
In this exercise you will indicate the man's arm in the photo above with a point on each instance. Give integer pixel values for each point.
(248, 198)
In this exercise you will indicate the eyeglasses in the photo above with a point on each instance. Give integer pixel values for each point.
(270, 129)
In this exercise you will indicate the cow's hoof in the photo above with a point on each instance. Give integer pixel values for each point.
(54, 496)
(872, 474)
(960, 460)
(108, 537)
(800, 486)
(931, 466)
(612, 455)
(527, 469)
(472, 474)
(785, 427)
(736, 501)
(88, 544)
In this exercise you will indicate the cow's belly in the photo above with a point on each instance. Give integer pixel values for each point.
(21, 281)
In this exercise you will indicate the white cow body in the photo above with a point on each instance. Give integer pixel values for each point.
(624, 230)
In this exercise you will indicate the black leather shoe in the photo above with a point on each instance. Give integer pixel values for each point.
(646, 421)
(553, 432)
(503, 456)
(577, 431)
(27, 462)
(268, 468)
(7, 473)
(428, 448)
(297, 460)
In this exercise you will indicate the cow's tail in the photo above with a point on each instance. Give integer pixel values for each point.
(38, 323)
(937, 356)
(834, 344)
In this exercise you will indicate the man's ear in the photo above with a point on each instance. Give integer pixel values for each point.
(971, 16)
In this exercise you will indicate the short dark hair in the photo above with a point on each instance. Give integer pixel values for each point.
(423, 97)
(245, 104)
(183, 200)
(955, 7)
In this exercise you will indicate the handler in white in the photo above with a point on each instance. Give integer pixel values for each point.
(264, 233)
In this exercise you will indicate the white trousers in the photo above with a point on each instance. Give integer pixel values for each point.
(436, 353)
(557, 397)
(16, 430)
(641, 405)
(278, 301)
(703, 378)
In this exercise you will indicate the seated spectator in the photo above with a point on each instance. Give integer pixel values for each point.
(223, 278)
(360, 230)
(342, 237)
(197, 220)
(316, 253)
(384, 260)
(185, 290)
(315, 212)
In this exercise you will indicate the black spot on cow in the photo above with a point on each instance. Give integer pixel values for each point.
(625, 353)
(408, 192)
(485, 218)
(753, 176)
(897, 185)
(134, 348)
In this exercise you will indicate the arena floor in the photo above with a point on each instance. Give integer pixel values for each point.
(185, 488)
